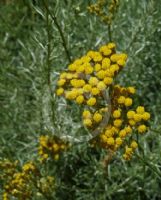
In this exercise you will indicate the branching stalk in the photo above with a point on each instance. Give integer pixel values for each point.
(48, 62)
(60, 31)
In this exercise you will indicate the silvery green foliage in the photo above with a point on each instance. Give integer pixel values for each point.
(29, 106)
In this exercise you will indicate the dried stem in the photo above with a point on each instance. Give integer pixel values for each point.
(107, 159)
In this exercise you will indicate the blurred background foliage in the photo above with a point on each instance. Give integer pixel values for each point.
(29, 107)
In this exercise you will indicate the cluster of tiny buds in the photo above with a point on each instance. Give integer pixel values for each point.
(20, 181)
(50, 146)
(124, 124)
(99, 9)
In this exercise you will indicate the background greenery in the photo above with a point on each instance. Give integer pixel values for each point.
(29, 107)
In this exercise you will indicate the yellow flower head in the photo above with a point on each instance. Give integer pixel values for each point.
(87, 122)
(97, 117)
(80, 99)
(146, 116)
(91, 101)
(93, 81)
(86, 114)
(142, 128)
(128, 102)
(116, 113)
(117, 122)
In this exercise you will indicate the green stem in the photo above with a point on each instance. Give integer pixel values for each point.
(60, 31)
(48, 48)
(109, 33)
(48, 61)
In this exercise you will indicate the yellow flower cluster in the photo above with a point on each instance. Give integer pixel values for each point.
(86, 82)
(20, 181)
(51, 146)
(99, 9)
(91, 120)
(124, 123)
(87, 78)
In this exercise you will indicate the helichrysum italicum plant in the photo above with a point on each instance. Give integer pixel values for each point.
(87, 82)
(22, 182)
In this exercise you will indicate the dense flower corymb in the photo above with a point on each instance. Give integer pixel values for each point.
(86, 82)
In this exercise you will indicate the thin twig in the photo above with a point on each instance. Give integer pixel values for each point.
(48, 61)
(109, 33)
(60, 31)
(107, 159)
(48, 47)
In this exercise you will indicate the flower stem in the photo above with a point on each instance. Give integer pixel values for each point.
(60, 31)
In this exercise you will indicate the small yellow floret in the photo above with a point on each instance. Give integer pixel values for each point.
(88, 70)
(108, 80)
(72, 67)
(97, 67)
(87, 122)
(131, 90)
(97, 117)
(87, 88)
(111, 45)
(142, 128)
(121, 100)
(93, 81)
(109, 133)
(146, 116)
(103, 138)
(132, 122)
(110, 141)
(128, 129)
(119, 141)
(128, 102)
(121, 62)
(140, 110)
(101, 74)
(95, 91)
(122, 133)
(71, 94)
(128, 151)
(137, 117)
(114, 57)
(117, 122)
(80, 99)
(106, 63)
(91, 101)
(59, 91)
(130, 114)
(116, 113)
(101, 85)
(86, 114)
(105, 50)
(134, 144)
(61, 82)
(80, 69)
